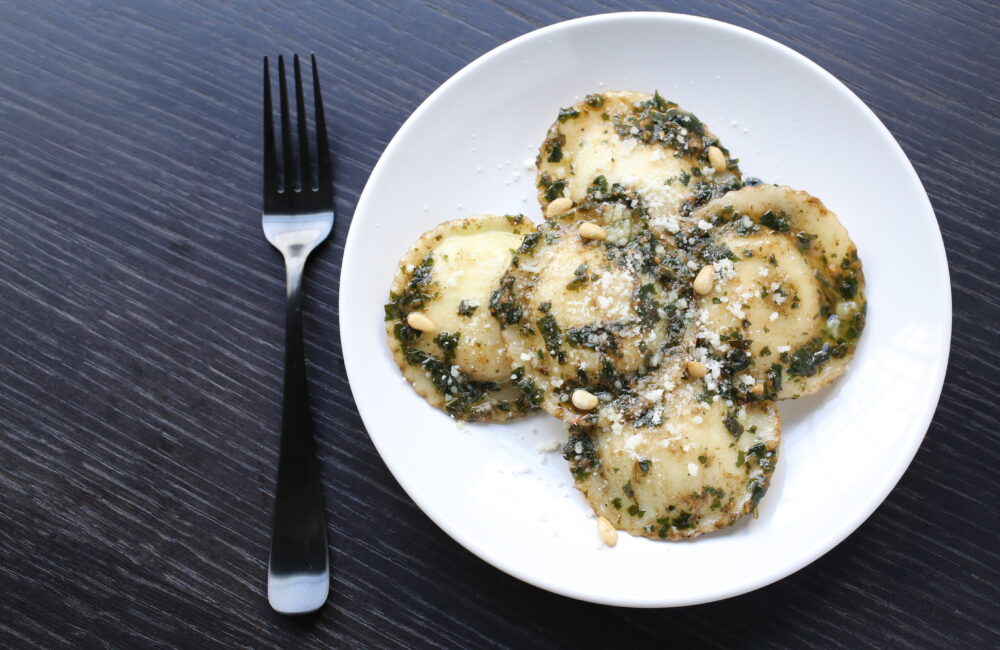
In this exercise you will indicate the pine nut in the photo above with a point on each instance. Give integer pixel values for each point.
(758, 389)
(419, 321)
(705, 280)
(558, 206)
(717, 158)
(584, 400)
(592, 231)
(607, 532)
(696, 370)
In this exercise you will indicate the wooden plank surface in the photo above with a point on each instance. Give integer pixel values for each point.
(140, 332)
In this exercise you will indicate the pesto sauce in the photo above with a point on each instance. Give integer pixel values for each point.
(659, 121)
(552, 336)
(776, 222)
(733, 425)
(461, 394)
(528, 244)
(579, 451)
(567, 114)
(594, 337)
(553, 188)
(580, 278)
(504, 305)
(646, 305)
(527, 386)
(466, 308)
(415, 295)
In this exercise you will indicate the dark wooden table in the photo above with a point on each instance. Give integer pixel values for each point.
(140, 333)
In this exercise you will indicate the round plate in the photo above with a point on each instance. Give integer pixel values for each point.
(502, 491)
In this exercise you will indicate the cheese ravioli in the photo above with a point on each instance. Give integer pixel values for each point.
(440, 330)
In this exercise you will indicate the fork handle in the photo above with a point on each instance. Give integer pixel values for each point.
(298, 569)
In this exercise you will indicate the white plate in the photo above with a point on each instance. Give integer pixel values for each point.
(466, 150)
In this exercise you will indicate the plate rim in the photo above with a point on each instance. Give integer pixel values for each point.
(903, 460)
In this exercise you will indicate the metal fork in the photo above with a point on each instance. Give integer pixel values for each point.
(298, 216)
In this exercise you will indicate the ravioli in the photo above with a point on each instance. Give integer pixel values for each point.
(668, 464)
(660, 309)
(438, 323)
(634, 142)
(586, 313)
(790, 292)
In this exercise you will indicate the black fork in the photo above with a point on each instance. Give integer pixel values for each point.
(298, 216)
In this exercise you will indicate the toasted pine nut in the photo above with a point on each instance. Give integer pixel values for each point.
(584, 400)
(717, 158)
(705, 280)
(558, 206)
(592, 231)
(607, 532)
(419, 321)
(758, 389)
(696, 370)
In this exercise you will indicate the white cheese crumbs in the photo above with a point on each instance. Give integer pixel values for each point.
(773, 317)
(692, 469)
(529, 163)
(763, 272)
(697, 419)
(633, 441)
(455, 370)
(654, 395)
(704, 225)
(525, 356)
(556, 382)
(724, 268)
(748, 380)
(778, 298)
(783, 348)
(520, 468)
(668, 222)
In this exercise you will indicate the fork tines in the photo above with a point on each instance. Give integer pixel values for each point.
(295, 185)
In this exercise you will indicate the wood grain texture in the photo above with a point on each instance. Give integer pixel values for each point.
(140, 332)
